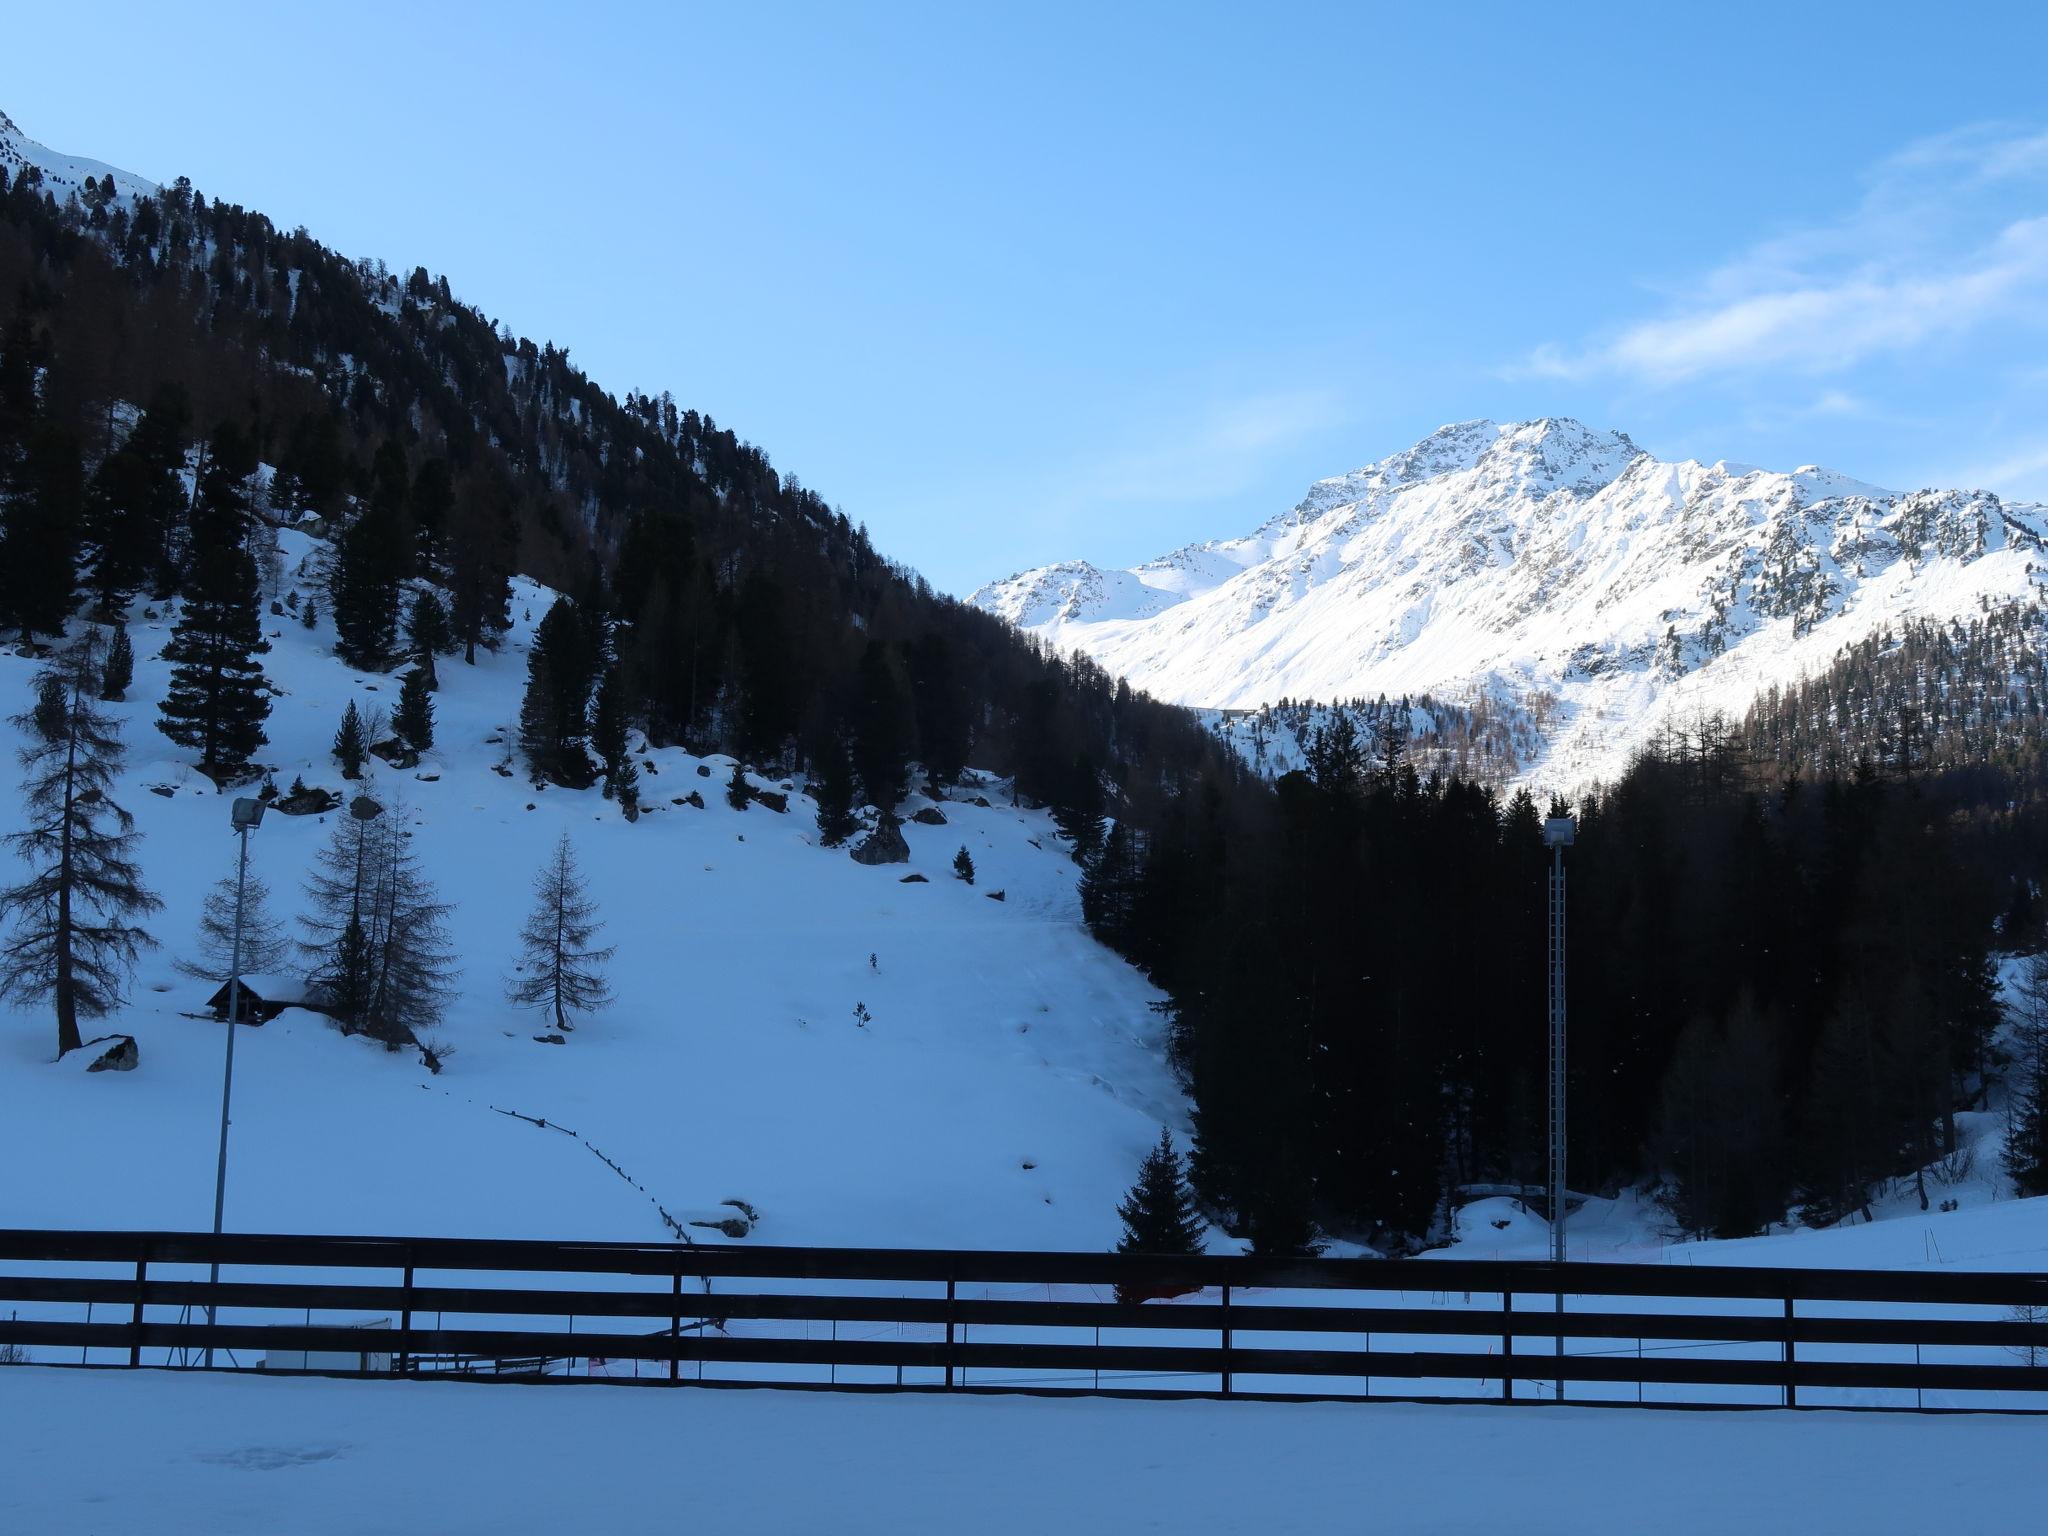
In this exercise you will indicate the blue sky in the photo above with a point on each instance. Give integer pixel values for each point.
(1097, 281)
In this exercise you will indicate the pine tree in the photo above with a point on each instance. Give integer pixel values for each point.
(2026, 1137)
(217, 700)
(377, 937)
(413, 720)
(73, 939)
(482, 540)
(371, 560)
(42, 492)
(1160, 1213)
(561, 971)
(135, 502)
(264, 945)
(608, 736)
(738, 793)
(963, 866)
(1077, 808)
(119, 670)
(554, 717)
(427, 632)
(351, 742)
(883, 729)
(833, 789)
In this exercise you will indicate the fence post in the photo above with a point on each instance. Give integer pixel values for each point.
(1791, 1355)
(1226, 1338)
(950, 1287)
(135, 1322)
(405, 1318)
(1507, 1343)
(675, 1326)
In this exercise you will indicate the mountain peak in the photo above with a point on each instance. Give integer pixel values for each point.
(62, 175)
(1553, 568)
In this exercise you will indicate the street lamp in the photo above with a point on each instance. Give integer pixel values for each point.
(1558, 835)
(246, 816)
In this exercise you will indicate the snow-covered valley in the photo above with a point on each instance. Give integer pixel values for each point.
(1545, 572)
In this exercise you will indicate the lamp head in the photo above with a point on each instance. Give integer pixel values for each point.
(247, 814)
(1559, 831)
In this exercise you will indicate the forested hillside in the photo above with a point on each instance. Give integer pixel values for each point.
(1781, 988)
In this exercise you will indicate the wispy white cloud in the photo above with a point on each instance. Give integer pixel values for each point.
(1217, 451)
(1945, 239)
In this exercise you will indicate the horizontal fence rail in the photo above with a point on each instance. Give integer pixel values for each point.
(1025, 1321)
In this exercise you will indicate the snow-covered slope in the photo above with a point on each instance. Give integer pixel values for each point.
(1544, 563)
(1008, 1083)
(62, 174)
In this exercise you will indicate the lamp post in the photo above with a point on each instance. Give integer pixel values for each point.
(247, 816)
(1558, 834)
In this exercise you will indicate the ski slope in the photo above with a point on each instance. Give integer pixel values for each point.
(1010, 1080)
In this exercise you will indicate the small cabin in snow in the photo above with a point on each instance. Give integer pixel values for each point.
(265, 997)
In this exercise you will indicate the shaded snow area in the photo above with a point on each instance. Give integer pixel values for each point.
(1009, 1079)
(1547, 563)
(163, 1453)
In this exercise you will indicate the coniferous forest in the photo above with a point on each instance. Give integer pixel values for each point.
(1780, 935)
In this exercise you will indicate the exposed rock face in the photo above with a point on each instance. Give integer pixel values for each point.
(884, 845)
(930, 816)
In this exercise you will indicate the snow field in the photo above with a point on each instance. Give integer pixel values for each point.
(731, 1066)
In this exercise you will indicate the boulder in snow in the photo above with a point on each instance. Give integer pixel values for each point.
(930, 816)
(121, 1054)
(884, 845)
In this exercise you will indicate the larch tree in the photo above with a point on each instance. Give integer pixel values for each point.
(73, 938)
(375, 933)
(264, 944)
(560, 970)
(2026, 1137)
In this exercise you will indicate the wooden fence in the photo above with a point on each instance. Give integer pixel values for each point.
(1023, 1321)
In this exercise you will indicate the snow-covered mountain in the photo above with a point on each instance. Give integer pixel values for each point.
(62, 174)
(1543, 568)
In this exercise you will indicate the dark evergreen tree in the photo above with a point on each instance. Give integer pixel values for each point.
(833, 789)
(963, 866)
(42, 492)
(73, 938)
(1077, 808)
(738, 792)
(608, 736)
(427, 632)
(351, 742)
(134, 504)
(554, 719)
(2026, 1136)
(413, 720)
(560, 970)
(1160, 1214)
(482, 541)
(119, 669)
(884, 726)
(218, 699)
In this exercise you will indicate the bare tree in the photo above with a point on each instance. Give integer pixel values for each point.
(377, 936)
(560, 970)
(72, 940)
(264, 945)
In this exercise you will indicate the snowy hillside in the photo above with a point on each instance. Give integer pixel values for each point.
(62, 174)
(1002, 1094)
(1541, 566)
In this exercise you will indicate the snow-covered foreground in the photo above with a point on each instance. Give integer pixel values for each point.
(166, 1453)
(1008, 1081)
